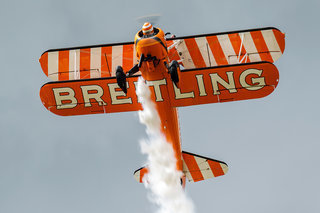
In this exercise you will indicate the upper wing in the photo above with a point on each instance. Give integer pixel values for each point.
(87, 62)
(265, 44)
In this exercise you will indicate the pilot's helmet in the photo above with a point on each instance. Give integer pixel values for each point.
(147, 29)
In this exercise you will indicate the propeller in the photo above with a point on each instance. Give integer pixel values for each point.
(152, 18)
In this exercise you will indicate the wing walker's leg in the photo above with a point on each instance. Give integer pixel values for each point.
(121, 76)
(121, 79)
(173, 71)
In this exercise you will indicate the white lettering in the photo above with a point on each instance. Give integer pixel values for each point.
(97, 95)
(215, 79)
(68, 97)
(180, 95)
(201, 87)
(156, 85)
(114, 94)
(258, 83)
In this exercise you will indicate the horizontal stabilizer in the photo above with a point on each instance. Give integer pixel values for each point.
(195, 167)
(198, 168)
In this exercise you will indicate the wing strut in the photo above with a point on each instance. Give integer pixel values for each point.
(105, 55)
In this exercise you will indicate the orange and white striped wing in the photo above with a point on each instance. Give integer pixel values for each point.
(87, 62)
(265, 44)
(197, 168)
(139, 174)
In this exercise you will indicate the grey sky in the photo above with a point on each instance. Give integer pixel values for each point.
(85, 163)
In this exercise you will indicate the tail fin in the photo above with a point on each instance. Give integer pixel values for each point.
(195, 167)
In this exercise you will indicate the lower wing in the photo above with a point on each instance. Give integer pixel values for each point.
(196, 86)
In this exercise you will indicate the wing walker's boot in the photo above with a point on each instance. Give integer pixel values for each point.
(121, 79)
(173, 71)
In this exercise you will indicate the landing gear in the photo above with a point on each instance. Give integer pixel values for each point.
(173, 71)
(121, 79)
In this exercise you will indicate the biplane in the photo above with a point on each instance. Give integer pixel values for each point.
(180, 71)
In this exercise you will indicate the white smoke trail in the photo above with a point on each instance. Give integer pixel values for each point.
(163, 179)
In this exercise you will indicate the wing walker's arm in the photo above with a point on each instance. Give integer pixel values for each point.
(122, 77)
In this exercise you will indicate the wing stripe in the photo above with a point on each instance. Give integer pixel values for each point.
(74, 64)
(204, 167)
(272, 44)
(186, 57)
(172, 52)
(85, 63)
(117, 57)
(250, 47)
(261, 46)
(95, 62)
(63, 65)
(227, 48)
(44, 63)
(53, 60)
(106, 61)
(280, 39)
(239, 49)
(217, 50)
(216, 168)
(127, 59)
(193, 167)
(195, 53)
(186, 171)
(206, 51)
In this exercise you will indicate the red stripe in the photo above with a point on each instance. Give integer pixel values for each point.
(280, 39)
(236, 44)
(106, 61)
(172, 53)
(44, 63)
(63, 70)
(192, 167)
(85, 63)
(215, 168)
(143, 171)
(195, 52)
(127, 59)
(261, 46)
(217, 50)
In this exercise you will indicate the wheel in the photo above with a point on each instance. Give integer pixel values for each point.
(173, 71)
(121, 79)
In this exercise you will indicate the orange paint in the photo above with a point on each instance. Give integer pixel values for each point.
(63, 65)
(127, 59)
(193, 167)
(106, 61)
(216, 50)
(195, 53)
(261, 46)
(44, 63)
(280, 39)
(236, 44)
(215, 168)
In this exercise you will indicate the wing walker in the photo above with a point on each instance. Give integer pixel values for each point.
(180, 71)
